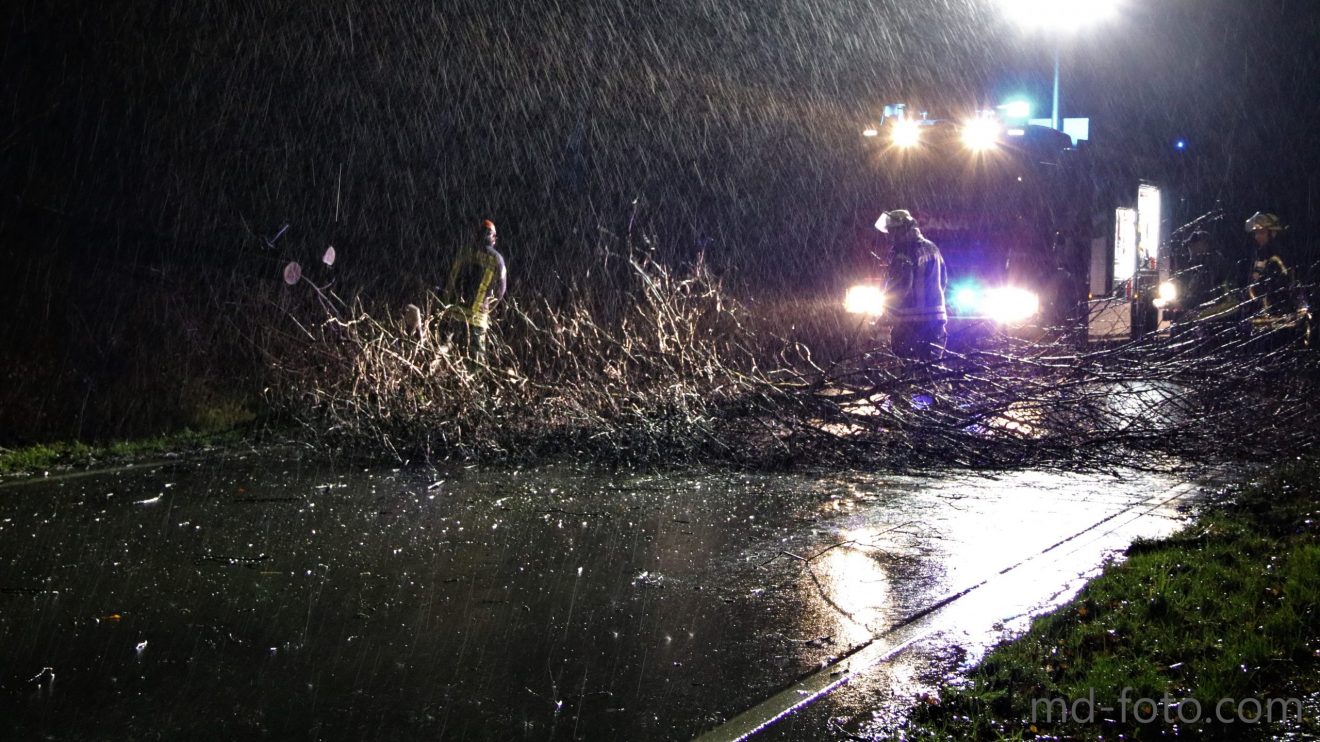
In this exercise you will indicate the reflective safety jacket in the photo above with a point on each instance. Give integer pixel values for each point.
(917, 281)
(1272, 285)
(476, 283)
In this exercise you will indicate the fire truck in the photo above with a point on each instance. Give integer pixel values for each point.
(1009, 206)
(1130, 276)
(1042, 234)
(1149, 283)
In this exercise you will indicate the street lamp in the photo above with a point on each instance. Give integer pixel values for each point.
(1060, 17)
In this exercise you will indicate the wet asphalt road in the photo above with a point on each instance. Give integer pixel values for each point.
(261, 597)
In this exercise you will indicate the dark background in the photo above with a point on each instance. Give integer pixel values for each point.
(151, 151)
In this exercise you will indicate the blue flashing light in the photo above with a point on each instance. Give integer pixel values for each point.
(966, 298)
(1016, 109)
(1181, 144)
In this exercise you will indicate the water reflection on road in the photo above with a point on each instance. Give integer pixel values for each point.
(264, 597)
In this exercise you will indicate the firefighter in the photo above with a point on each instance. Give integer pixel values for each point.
(477, 282)
(915, 288)
(1271, 287)
(1277, 301)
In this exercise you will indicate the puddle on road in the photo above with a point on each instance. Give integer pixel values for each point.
(1016, 566)
(265, 597)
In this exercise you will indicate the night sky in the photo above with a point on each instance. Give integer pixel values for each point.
(386, 125)
(165, 138)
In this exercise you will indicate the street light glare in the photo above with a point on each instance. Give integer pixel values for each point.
(1064, 15)
(1059, 16)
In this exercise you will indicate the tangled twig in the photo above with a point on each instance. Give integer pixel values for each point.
(668, 369)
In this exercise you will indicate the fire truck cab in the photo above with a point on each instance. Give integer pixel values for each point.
(1006, 204)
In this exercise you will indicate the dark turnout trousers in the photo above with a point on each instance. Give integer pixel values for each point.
(919, 340)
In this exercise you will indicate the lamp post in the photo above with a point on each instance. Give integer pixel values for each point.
(1054, 108)
(1059, 17)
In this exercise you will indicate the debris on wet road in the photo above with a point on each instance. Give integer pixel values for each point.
(261, 596)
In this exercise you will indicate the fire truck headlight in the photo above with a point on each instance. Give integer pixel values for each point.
(980, 134)
(1011, 305)
(906, 133)
(864, 299)
(1168, 292)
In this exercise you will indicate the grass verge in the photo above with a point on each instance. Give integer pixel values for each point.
(1213, 633)
(45, 456)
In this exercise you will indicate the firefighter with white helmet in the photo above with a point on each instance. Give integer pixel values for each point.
(1277, 302)
(915, 289)
(1266, 224)
(1271, 285)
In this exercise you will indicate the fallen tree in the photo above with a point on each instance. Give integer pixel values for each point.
(665, 368)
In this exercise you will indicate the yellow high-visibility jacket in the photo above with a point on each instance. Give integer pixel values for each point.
(476, 283)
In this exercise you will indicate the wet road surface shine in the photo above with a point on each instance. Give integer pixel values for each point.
(263, 598)
(870, 690)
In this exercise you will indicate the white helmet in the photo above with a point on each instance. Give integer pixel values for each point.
(1263, 221)
(895, 221)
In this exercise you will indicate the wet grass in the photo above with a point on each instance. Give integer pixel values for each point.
(1227, 609)
(47, 456)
